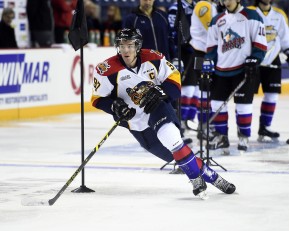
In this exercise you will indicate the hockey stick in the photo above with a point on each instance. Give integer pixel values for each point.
(29, 202)
(275, 66)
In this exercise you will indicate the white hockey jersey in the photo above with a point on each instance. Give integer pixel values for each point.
(277, 32)
(113, 79)
(233, 37)
(202, 15)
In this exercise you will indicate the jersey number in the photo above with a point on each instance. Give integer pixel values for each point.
(96, 84)
(170, 65)
(262, 31)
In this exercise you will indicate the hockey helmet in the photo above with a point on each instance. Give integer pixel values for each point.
(129, 34)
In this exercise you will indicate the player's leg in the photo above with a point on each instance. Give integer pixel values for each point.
(162, 121)
(244, 109)
(271, 86)
(166, 133)
(220, 92)
(189, 91)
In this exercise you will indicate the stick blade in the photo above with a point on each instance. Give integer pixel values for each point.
(34, 202)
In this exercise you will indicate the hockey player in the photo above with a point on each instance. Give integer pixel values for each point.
(277, 35)
(136, 87)
(202, 15)
(189, 90)
(236, 41)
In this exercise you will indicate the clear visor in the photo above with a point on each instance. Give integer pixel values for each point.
(127, 45)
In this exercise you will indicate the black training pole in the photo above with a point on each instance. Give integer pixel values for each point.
(78, 37)
(82, 188)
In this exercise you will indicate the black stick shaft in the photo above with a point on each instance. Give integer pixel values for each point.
(54, 199)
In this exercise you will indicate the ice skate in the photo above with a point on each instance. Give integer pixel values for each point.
(224, 185)
(200, 187)
(264, 132)
(243, 143)
(220, 142)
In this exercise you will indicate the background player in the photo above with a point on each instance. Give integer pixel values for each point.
(189, 91)
(203, 13)
(236, 39)
(277, 35)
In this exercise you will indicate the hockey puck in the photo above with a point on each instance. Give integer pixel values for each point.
(287, 142)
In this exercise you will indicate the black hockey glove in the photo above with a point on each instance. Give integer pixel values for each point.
(251, 67)
(152, 99)
(121, 110)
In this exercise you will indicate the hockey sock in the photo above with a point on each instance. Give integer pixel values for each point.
(186, 160)
(221, 123)
(188, 103)
(267, 112)
(206, 106)
(188, 108)
(221, 120)
(244, 118)
(268, 106)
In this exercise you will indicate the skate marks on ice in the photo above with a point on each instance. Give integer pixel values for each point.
(29, 191)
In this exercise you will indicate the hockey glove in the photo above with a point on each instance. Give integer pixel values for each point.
(152, 99)
(251, 67)
(121, 110)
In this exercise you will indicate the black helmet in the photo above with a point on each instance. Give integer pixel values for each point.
(129, 34)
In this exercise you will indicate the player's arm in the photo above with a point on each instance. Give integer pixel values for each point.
(170, 79)
(258, 37)
(168, 87)
(212, 41)
(101, 93)
(283, 33)
(102, 99)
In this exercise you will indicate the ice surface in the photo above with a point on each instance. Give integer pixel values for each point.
(38, 157)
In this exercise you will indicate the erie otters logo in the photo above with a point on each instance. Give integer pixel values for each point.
(103, 67)
(231, 40)
(139, 91)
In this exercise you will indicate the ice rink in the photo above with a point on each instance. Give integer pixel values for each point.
(131, 192)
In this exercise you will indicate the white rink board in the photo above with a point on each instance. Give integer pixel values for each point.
(41, 77)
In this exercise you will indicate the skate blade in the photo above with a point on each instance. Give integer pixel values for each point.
(225, 151)
(242, 152)
(203, 195)
(265, 139)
